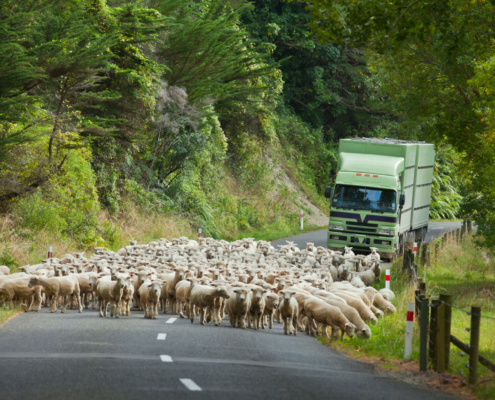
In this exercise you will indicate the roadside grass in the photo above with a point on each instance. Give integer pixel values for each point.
(459, 271)
(273, 233)
(6, 313)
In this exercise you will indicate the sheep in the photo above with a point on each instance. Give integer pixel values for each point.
(362, 330)
(257, 308)
(110, 292)
(238, 306)
(19, 290)
(289, 311)
(327, 315)
(387, 294)
(5, 270)
(384, 305)
(204, 296)
(364, 311)
(58, 286)
(272, 302)
(127, 296)
(168, 291)
(368, 277)
(149, 293)
(183, 293)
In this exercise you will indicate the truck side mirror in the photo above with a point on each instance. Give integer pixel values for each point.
(402, 200)
(328, 192)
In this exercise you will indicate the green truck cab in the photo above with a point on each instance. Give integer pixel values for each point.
(382, 190)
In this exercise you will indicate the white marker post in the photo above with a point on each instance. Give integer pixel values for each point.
(200, 233)
(50, 252)
(409, 330)
(387, 279)
(302, 220)
(415, 248)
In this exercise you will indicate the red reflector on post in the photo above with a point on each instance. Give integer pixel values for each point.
(387, 278)
(367, 175)
(410, 316)
(359, 174)
(375, 176)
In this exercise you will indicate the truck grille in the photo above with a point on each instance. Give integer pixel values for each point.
(359, 229)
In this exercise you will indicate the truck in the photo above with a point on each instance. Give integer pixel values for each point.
(382, 191)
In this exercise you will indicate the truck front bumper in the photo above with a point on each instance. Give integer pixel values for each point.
(361, 243)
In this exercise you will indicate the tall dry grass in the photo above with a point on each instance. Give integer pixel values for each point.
(28, 247)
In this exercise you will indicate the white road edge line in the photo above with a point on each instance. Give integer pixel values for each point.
(189, 383)
(171, 320)
(166, 358)
(161, 336)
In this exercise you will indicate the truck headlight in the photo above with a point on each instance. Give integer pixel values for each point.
(387, 231)
(336, 227)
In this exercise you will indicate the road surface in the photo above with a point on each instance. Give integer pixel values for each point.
(319, 238)
(82, 356)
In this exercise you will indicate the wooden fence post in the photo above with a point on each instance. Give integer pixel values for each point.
(433, 334)
(437, 247)
(423, 335)
(474, 345)
(469, 226)
(447, 302)
(441, 337)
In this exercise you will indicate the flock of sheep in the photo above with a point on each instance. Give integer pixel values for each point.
(252, 282)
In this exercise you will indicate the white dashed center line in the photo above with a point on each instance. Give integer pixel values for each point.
(170, 320)
(161, 336)
(166, 358)
(189, 383)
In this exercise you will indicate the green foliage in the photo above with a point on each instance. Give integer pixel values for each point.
(67, 204)
(445, 197)
(324, 84)
(7, 259)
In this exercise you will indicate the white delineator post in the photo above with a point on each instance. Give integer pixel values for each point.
(409, 330)
(415, 248)
(50, 252)
(200, 233)
(387, 279)
(302, 220)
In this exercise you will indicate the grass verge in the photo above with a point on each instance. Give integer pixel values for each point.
(460, 271)
(6, 314)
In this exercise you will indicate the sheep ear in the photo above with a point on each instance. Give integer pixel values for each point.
(252, 290)
(363, 330)
(265, 291)
(188, 279)
(221, 271)
(127, 278)
(293, 293)
(236, 291)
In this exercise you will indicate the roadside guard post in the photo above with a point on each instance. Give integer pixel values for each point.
(302, 220)
(415, 248)
(387, 279)
(50, 252)
(200, 233)
(409, 330)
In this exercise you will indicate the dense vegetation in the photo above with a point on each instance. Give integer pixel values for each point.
(112, 110)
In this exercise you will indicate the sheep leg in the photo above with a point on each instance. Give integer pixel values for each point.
(191, 313)
(155, 310)
(294, 323)
(270, 325)
(279, 320)
(286, 325)
(116, 312)
(201, 315)
(100, 306)
(53, 303)
(79, 303)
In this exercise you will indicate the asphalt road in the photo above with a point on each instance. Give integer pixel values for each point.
(82, 356)
(319, 238)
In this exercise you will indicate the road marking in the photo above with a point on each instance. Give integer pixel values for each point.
(166, 358)
(189, 383)
(161, 336)
(441, 227)
(170, 320)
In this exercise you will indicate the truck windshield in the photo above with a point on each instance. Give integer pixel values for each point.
(363, 198)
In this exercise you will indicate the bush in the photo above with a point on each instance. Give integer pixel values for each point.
(67, 204)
